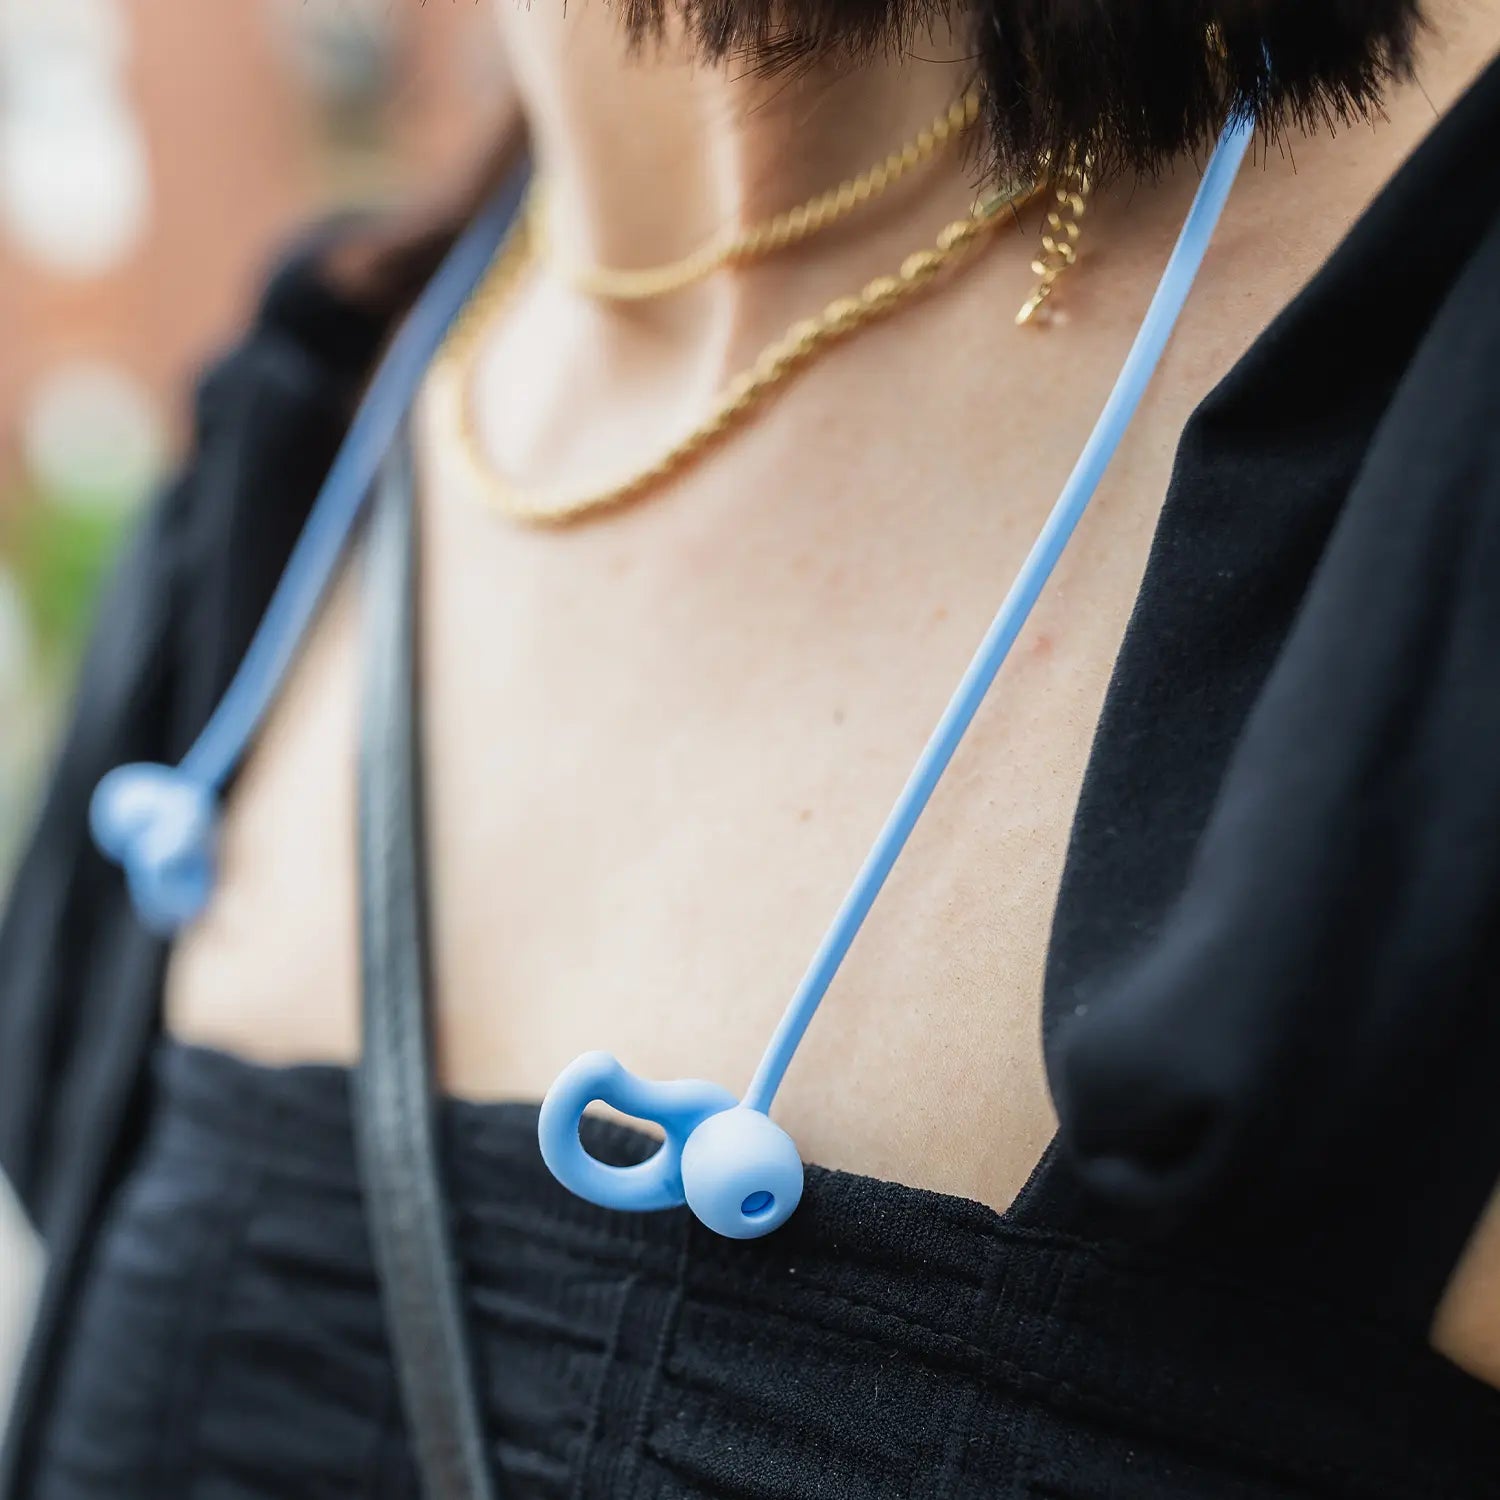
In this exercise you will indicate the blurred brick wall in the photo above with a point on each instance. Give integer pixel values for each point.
(239, 156)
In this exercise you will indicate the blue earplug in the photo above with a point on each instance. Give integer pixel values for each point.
(160, 825)
(741, 1173)
(737, 1171)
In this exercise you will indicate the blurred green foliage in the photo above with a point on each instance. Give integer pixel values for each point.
(59, 550)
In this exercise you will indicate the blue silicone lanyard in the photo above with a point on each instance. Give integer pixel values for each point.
(738, 1171)
(1119, 410)
(314, 558)
(159, 822)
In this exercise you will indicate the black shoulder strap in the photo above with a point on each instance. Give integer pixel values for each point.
(395, 1100)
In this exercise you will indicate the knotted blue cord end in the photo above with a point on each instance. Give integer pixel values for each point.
(161, 827)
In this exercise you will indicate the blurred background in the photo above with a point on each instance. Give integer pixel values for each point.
(153, 154)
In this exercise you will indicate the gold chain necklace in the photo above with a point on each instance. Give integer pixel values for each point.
(739, 246)
(1060, 234)
(452, 371)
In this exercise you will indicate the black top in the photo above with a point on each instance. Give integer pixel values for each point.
(885, 1343)
(1275, 968)
(1270, 1013)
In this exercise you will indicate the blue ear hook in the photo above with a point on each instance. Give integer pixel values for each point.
(159, 822)
(735, 1169)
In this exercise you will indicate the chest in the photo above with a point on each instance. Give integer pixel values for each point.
(659, 746)
(657, 751)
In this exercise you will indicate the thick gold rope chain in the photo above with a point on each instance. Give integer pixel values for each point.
(452, 374)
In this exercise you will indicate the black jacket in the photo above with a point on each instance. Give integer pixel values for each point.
(80, 980)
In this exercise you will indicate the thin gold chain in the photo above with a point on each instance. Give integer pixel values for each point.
(790, 227)
(778, 361)
(1060, 234)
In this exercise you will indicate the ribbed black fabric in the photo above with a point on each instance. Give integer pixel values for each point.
(887, 1342)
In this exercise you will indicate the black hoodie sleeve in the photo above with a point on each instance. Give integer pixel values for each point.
(79, 979)
(1273, 1012)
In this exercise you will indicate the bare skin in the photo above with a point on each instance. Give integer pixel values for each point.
(659, 743)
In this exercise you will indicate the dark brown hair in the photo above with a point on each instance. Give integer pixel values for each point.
(1130, 84)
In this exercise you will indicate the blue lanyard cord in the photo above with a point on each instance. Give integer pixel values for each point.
(159, 822)
(1140, 365)
(738, 1171)
(330, 522)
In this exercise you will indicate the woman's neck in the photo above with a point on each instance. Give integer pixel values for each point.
(646, 157)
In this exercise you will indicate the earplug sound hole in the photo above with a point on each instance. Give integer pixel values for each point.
(758, 1205)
